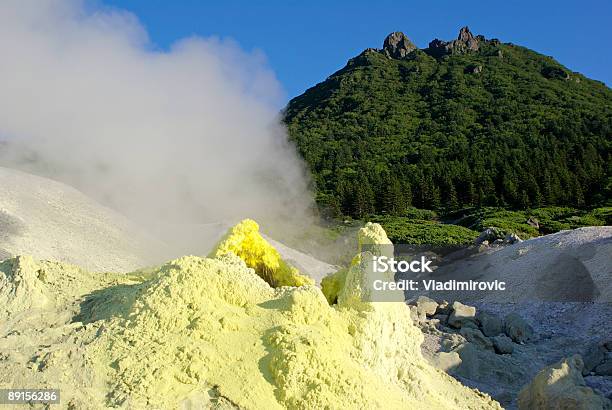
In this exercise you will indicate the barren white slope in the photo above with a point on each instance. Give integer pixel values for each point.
(568, 266)
(53, 221)
(311, 266)
(50, 220)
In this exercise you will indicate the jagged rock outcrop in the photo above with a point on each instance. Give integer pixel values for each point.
(397, 45)
(465, 42)
(466, 37)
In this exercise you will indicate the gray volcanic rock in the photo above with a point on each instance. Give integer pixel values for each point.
(567, 266)
(491, 325)
(483, 364)
(518, 329)
(446, 361)
(475, 336)
(604, 369)
(426, 306)
(502, 344)
(537, 267)
(461, 315)
(467, 38)
(592, 357)
(465, 42)
(397, 45)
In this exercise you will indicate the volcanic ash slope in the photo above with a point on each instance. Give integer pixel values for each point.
(50, 220)
(210, 332)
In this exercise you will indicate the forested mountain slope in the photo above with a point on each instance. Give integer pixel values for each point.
(471, 122)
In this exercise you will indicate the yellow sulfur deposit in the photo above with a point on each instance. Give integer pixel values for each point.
(372, 236)
(245, 241)
(331, 285)
(211, 333)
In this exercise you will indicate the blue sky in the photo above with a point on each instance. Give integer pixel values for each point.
(307, 41)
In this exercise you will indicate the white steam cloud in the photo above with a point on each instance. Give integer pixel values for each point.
(191, 134)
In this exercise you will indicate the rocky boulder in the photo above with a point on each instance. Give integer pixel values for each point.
(502, 344)
(451, 341)
(397, 45)
(490, 235)
(592, 356)
(446, 361)
(444, 308)
(512, 238)
(518, 329)
(415, 315)
(561, 386)
(462, 315)
(605, 368)
(491, 325)
(426, 306)
(598, 360)
(481, 364)
(533, 222)
(473, 69)
(475, 336)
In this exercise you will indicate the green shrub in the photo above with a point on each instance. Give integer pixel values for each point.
(423, 214)
(550, 219)
(423, 232)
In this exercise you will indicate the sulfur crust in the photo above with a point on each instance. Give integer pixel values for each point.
(211, 333)
(245, 241)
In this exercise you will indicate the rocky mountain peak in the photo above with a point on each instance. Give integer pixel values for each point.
(467, 38)
(398, 45)
(465, 42)
(465, 34)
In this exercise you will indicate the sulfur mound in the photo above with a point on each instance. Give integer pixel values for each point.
(21, 286)
(211, 333)
(245, 241)
(204, 324)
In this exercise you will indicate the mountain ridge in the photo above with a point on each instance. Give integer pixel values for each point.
(470, 122)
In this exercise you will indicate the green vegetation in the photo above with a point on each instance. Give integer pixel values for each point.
(423, 232)
(461, 227)
(383, 134)
(549, 219)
